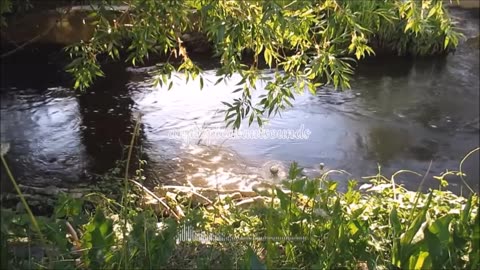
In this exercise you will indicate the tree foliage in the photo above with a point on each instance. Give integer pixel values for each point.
(308, 43)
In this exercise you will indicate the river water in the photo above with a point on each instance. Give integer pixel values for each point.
(401, 113)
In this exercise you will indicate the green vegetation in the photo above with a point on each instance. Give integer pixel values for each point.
(302, 223)
(308, 43)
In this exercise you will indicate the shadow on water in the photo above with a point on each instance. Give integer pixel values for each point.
(381, 66)
(58, 136)
(107, 120)
(42, 64)
(385, 143)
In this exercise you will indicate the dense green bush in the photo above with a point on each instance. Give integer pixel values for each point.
(303, 223)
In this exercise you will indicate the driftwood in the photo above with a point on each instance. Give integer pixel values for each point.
(252, 201)
(206, 196)
(178, 213)
(162, 198)
(204, 193)
(54, 191)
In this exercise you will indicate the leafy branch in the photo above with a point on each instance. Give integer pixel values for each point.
(308, 44)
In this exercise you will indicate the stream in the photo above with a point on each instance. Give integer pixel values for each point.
(401, 113)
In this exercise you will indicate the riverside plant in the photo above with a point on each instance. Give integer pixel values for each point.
(303, 223)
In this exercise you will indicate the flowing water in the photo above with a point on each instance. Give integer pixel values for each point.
(400, 114)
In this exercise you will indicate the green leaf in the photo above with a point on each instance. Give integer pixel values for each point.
(218, 81)
(474, 258)
(268, 57)
(294, 170)
(297, 185)
(251, 118)
(440, 228)
(353, 228)
(237, 122)
(284, 199)
(221, 33)
(332, 186)
(395, 222)
(419, 261)
(446, 42)
(259, 121)
(465, 214)
(98, 239)
(432, 12)
(227, 104)
(310, 188)
(416, 224)
(68, 207)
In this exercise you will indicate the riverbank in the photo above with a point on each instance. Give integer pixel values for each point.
(301, 223)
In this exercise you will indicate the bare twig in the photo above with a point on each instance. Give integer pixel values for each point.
(461, 165)
(160, 200)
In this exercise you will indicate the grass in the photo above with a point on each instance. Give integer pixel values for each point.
(302, 224)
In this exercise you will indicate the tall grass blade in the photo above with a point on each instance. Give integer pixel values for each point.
(27, 208)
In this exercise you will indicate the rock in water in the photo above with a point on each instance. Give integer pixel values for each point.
(4, 147)
(273, 171)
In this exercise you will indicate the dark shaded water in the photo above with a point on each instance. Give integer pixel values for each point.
(401, 114)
